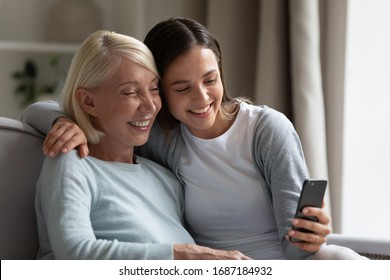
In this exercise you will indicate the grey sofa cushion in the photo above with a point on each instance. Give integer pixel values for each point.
(372, 248)
(20, 163)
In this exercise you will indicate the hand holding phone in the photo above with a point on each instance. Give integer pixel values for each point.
(312, 195)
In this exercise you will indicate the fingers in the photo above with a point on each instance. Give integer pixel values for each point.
(225, 255)
(309, 246)
(308, 237)
(311, 234)
(63, 137)
(317, 228)
(321, 227)
(234, 255)
(319, 213)
(196, 252)
(310, 242)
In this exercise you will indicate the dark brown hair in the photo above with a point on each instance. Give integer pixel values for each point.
(171, 38)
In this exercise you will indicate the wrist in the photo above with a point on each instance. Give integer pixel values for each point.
(180, 251)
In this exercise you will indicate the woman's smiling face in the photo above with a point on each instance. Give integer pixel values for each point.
(193, 90)
(126, 105)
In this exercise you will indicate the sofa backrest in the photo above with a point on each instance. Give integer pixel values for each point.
(21, 159)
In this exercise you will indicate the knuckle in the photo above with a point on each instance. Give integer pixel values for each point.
(51, 133)
(61, 139)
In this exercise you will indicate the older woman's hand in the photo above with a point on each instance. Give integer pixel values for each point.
(64, 136)
(196, 252)
(311, 241)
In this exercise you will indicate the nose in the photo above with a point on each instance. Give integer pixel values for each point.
(148, 103)
(200, 93)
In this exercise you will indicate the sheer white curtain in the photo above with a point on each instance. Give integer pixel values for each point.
(306, 82)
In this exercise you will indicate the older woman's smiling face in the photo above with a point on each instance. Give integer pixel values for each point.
(126, 106)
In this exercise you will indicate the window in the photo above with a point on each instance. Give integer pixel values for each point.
(366, 166)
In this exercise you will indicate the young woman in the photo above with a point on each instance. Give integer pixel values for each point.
(113, 204)
(242, 165)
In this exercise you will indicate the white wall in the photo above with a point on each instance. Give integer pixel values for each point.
(366, 183)
(20, 20)
(23, 19)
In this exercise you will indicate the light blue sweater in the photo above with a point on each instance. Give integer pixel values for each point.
(93, 209)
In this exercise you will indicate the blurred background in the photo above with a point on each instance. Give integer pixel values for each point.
(323, 63)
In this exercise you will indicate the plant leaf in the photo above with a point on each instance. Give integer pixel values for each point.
(30, 69)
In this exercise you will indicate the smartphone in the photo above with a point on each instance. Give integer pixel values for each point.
(312, 195)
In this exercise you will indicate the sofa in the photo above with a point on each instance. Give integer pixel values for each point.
(21, 158)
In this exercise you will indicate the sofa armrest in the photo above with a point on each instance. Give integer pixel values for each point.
(373, 248)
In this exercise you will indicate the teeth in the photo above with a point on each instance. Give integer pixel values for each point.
(201, 111)
(140, 123)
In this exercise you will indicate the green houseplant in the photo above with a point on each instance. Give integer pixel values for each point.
(28, 89)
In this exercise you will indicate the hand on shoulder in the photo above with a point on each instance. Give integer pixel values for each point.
(65, 135)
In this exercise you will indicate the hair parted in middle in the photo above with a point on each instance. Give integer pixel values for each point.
(174, 37)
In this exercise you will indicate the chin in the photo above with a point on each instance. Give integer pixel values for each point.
(140, 143)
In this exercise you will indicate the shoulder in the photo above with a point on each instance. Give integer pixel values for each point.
(67, 176)
(68, 162)
(67, 168)
(265, 118)
(273, 131)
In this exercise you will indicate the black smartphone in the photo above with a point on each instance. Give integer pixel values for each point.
(312, 195)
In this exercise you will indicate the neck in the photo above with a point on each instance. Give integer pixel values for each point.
(221, 124)
(103, 153)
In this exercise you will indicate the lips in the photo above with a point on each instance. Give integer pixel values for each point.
(201, 110)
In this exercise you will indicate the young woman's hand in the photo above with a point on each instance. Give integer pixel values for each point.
(64, 136)
(196, 252)
(320, 230)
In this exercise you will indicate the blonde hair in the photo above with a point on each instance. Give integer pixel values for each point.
(97, 60)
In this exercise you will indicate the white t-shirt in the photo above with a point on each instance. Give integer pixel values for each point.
(225, 204)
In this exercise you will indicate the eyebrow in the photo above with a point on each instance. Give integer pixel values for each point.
(186, 81)
(135, 82)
